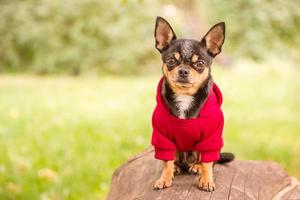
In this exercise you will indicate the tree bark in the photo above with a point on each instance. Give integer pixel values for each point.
(235, 181)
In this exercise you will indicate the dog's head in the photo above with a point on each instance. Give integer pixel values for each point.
(186, 62)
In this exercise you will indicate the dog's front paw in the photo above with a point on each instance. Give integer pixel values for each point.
(162, 183)
(206, 184)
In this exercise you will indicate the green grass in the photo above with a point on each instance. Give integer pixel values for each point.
(62, 138)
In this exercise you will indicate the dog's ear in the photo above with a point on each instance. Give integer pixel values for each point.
(214, 39)
(163, 34)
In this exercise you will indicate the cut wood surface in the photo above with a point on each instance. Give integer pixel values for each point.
(236, 180)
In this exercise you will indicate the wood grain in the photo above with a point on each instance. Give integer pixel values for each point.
(237, 180)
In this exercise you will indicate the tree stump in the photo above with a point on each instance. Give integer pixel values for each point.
(235, 181)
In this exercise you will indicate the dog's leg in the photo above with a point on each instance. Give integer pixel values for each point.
(206, 180)
(195, 168)
(177, 169)
(166, 177)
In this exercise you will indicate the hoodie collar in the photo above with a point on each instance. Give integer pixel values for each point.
(213, 101)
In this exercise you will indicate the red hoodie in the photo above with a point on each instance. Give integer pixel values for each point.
(203, 134)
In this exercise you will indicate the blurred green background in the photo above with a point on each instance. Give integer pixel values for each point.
(78, 81)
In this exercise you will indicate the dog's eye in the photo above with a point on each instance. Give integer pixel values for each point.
(171, 62)
(199, 64)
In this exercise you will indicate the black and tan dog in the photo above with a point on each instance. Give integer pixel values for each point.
(185, 87)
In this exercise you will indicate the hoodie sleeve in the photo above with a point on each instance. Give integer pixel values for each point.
(164, 147)
(212, 141)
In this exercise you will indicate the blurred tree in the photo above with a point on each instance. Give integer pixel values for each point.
(51, 36)
(256, 28)
(75, 36)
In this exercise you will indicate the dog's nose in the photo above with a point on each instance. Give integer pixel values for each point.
(183, 72)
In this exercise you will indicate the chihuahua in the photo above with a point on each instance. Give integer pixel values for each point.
(188, 121)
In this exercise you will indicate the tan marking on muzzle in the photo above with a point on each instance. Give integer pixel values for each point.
(195, 77)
